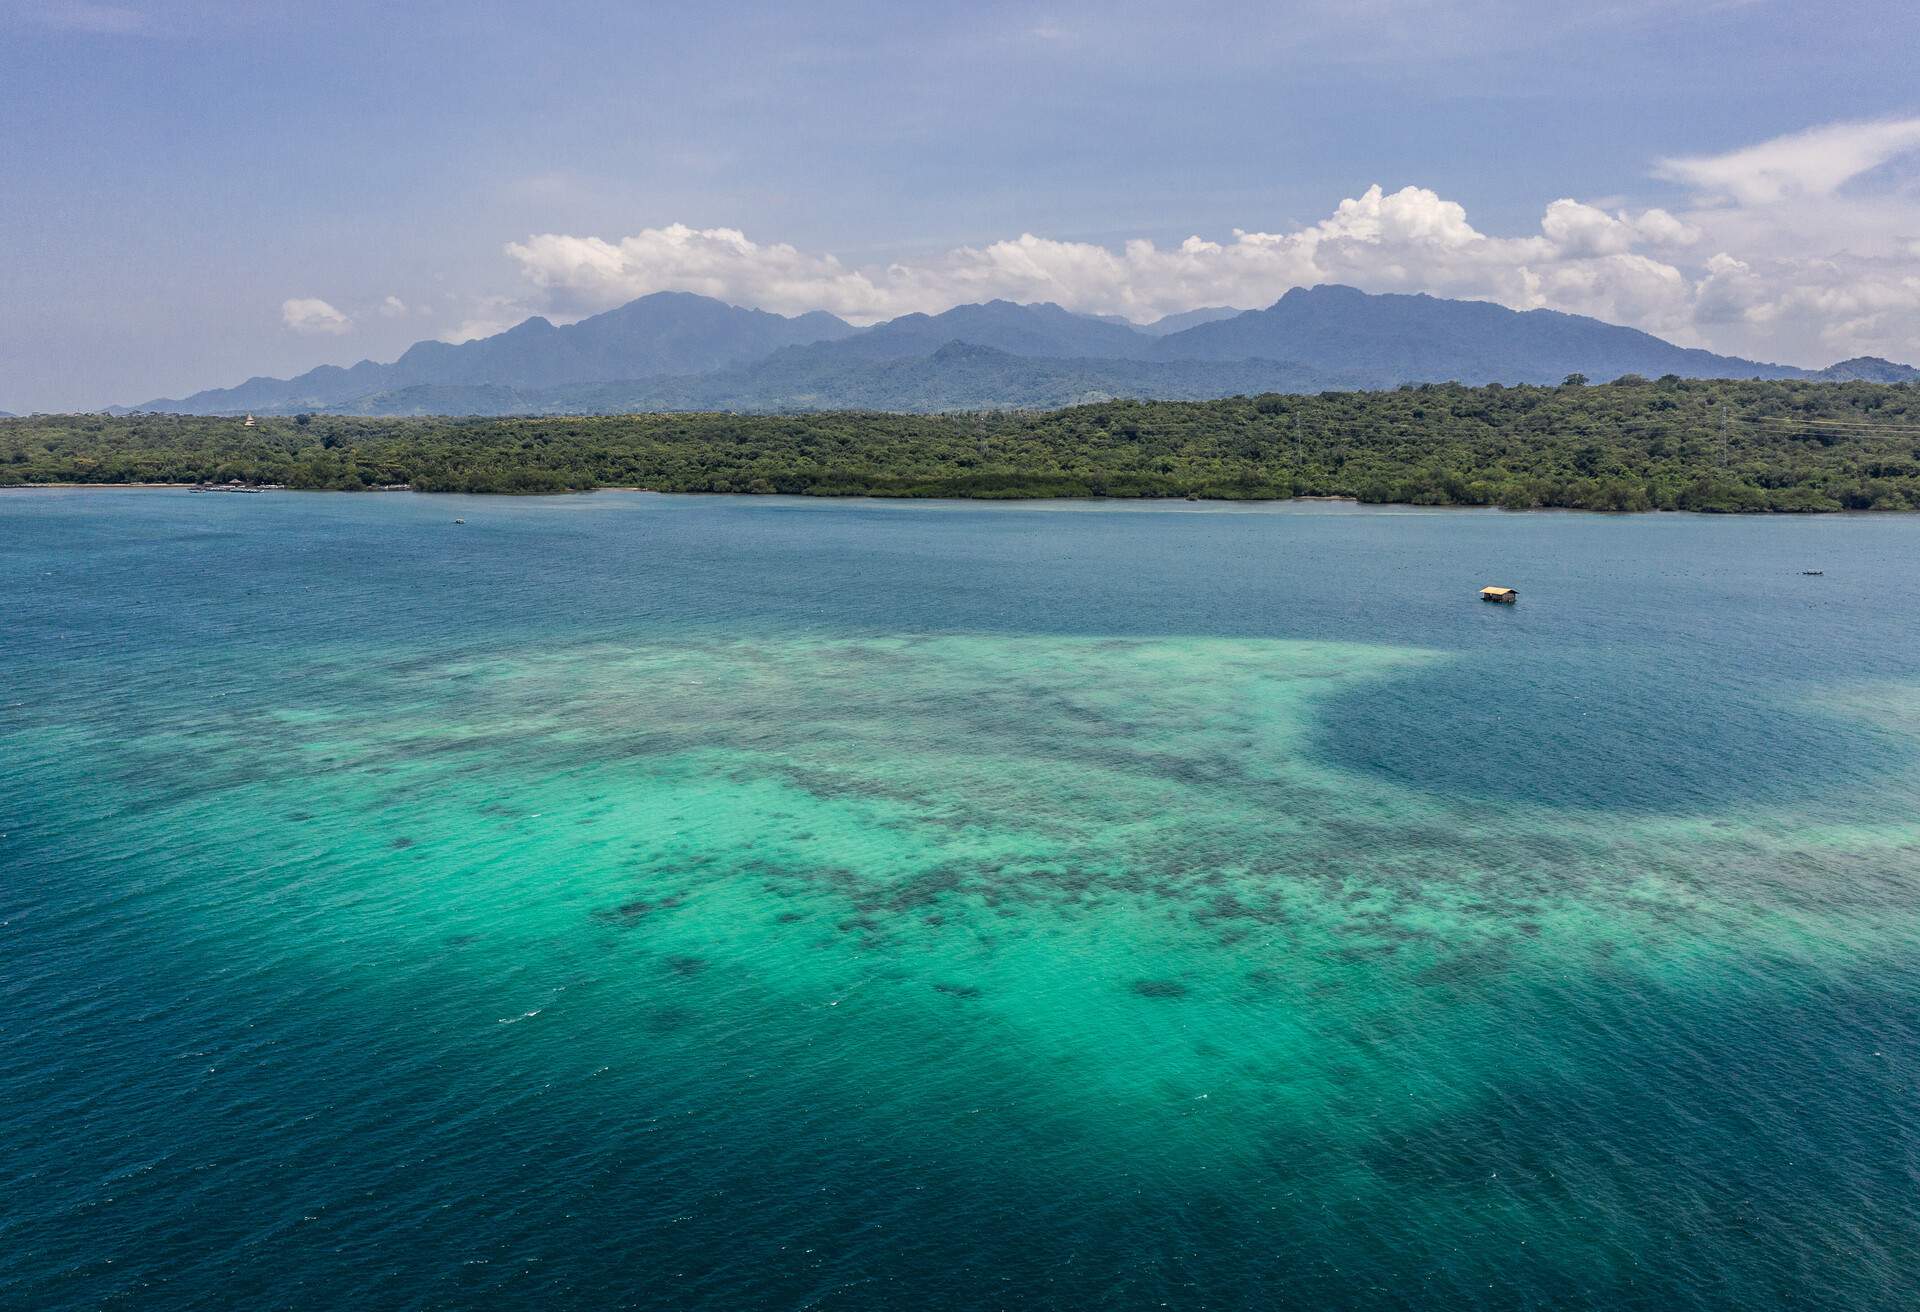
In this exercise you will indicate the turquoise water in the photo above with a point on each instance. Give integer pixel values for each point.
(712, 903)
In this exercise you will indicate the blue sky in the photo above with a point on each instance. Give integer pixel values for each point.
(191, 193)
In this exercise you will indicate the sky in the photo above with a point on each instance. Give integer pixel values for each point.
(192, 193)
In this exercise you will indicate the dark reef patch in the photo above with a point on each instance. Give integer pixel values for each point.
(639, 909)
(665, 1020)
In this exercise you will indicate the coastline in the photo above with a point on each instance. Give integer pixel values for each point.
(27, 487)
(659, 492)
(1168, 504)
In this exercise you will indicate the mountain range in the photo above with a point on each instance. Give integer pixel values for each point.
(678, 351)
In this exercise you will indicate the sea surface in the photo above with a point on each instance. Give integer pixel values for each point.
(679, 902)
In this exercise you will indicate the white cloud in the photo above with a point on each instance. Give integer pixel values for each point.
(1776, 259)
(589, 273)
(393, 308)
(310, 314)
(1411, 239)
(1578, 229)
(1817, 162)
(488, 315)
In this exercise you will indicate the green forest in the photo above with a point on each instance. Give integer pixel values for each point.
(1633, 444)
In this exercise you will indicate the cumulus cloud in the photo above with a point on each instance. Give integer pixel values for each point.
(589, 273)
(1582, 230)
(1411, 239)
(1407, 238)
(1773, 258)
(310, 314)
(393, 308)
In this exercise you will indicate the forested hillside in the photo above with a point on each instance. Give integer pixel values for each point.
(1629, 445)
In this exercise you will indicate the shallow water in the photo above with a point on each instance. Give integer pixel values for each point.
(682, 902)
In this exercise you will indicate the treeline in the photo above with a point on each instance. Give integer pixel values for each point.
(1669, 444)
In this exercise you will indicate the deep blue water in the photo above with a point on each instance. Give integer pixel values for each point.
(698, 902)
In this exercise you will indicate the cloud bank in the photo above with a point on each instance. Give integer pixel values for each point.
(1403, 239)
(1777, 253)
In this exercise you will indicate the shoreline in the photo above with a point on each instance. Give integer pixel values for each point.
(744, 496)
(1115, 503)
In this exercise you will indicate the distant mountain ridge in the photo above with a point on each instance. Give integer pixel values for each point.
(1421, 338)
(1043, 330)
(958, 376)
(678, 351)
(1173, 323)
(658, 335)
(1867, 369)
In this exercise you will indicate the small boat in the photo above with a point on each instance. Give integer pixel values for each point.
(459, 521)
(1813, 573)
(1506, 596)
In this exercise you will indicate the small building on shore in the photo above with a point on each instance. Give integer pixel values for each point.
(1506, 595)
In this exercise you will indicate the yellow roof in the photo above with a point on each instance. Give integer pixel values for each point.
(1484, 591)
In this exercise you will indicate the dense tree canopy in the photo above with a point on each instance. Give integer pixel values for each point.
(1630, 445)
